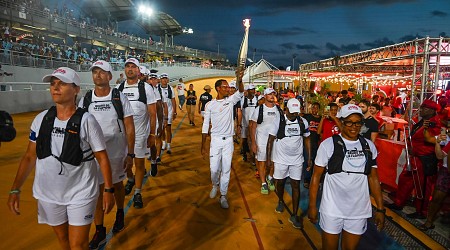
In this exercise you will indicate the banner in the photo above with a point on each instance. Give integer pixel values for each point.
(388, 155)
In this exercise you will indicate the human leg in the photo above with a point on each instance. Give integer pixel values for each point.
(99, 213)
(442, 189)
(119, 195)
(62, 233)
(330, 241)
(349, 241)
(226, 158)
(140, 172)
(79, 237)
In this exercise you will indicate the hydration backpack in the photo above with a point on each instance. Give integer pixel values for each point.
(7, 130)
(115, 99)
(141, 88)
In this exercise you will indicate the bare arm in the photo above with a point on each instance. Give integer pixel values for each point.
(105, 168)
(151, 108)
(375, 190)
(130, 132)
(313, 189)
(26, 165)
(174, 108)
(252, 130)
(320, 127)
(373, 136)
(269, 148)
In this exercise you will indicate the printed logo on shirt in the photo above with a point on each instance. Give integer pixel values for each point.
(102, 107)
(204, 98)
(271, 113)
(88, 217)
(335, 130)
(58, 132)
(355, 153)
(313, 125)
(129, 95)
(32, 135)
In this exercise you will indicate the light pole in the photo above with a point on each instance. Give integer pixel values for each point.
(293, 65)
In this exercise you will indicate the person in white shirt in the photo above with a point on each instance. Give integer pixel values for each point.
(350, 171)
(119, 139)
(63, 143)
(287, 139)
(169, 96)
(143, 102)
(248, 104)
(219, 113)
(259, 132)
(181, 87)
(162, 113)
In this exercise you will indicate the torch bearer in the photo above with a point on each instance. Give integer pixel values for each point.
(242, 57)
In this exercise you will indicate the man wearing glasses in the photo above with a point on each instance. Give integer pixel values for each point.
(219, 113)
(349, 162)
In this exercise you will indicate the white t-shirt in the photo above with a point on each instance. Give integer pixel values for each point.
(180, 88)
(141, 116)
(289, 150)
(165, 96)
(248, 111)
(113, 128)
(75, 183)
(346, 195)
(220, 114)
(262, 130)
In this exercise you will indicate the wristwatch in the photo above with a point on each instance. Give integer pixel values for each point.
(131, 155)
(109, 190)
(383, 211)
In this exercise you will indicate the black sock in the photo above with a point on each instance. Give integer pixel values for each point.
(99, 227)
(119, 211)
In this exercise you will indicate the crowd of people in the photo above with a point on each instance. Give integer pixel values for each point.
(84, 152)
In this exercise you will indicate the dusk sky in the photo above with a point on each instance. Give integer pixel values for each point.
(309, 29)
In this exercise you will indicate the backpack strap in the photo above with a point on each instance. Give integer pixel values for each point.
(117, 103)
(368, 154)
(245, 105)
(142, 93)
(260, 114)
(337, 158)
(87, 100)
(121, 86)
(43, 141)
(302, 125)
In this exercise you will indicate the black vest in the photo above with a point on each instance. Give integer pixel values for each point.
(71, 150)
(169, 90)
(261, 113)
(115, 99)
(337, 158)
(281, 128)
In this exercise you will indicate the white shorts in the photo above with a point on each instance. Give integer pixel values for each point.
(75, 214)
(334, 225)
(282, 171)
(140, 147)
(117, 171)
(170, 116)
(244, 132)
(261, 152)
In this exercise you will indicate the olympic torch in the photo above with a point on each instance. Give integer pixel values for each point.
(242, 57)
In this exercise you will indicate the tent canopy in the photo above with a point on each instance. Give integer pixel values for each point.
(257, 69)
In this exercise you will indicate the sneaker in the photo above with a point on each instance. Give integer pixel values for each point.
(119, 224)
(193, 124)
(296, 223)
(163, 146)
(158, 160)
(128, 187)
(137, 200)
(169, 150)
(280, 207)
(154, 169)
(179, 106)
(264, 189)
(271, 183)
(99, 239)
(416, 215)
(223, 202)
(213, 192)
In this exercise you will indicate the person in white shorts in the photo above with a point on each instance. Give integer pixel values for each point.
(63, 143)
(119, 139)
(287, 139)
(259, 132)
(350, 164)
(161, 110)
(143, 102)
(181, 88)
(248, 105)
(169, 96)
(219, 113)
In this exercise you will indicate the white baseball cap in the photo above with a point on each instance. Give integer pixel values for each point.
(104, 65)
(153, 75)
(349, 109)
(133, 61)
(260, 97)
(64, 74)
(293, 105)
(250, 86)
(232, 84)
(269, 91)
(164, 75)
(143, 70)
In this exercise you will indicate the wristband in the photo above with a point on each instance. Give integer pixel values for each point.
(109, 190)
(14, 191)
(383, 211)
(131, 155)
(152, 134)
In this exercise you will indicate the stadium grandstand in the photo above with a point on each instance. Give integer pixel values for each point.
(49, 34)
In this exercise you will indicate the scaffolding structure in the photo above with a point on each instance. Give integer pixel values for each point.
(426, 60)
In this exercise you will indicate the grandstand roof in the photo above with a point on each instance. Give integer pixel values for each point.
(159, 23)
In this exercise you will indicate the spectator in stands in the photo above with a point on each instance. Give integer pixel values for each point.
(120, 79)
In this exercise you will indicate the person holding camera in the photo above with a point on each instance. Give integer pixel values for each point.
(423, 167)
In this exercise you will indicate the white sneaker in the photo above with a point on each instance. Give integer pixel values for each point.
(223, 202)
(163, 146)
(169, 151)
(213, 192)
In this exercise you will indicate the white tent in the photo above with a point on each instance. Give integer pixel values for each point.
(262, 66)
